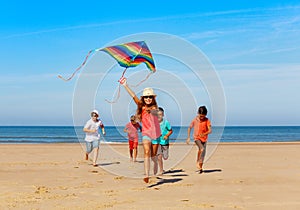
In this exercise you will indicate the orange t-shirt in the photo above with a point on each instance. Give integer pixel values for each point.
(200, 127)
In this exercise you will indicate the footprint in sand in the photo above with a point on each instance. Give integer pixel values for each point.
(41, 190)
(63, 188)
(119, 178)
(110, 193)
(84, 185)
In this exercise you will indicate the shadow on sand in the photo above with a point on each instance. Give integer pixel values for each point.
(165, 181)
(210, 171)
(107, 164)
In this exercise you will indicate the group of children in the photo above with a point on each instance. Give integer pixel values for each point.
(161, 144)
(155, 132)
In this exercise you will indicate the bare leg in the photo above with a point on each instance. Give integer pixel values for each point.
(201, 166)
(160, 163)
(96, 151)
(154, 149)
(200, 155)
(198, 159)
(134, 154)
(155, 166)
(130, 153)
(154, 157)
(147, 151)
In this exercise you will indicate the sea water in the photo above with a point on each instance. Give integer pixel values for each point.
(70, 134)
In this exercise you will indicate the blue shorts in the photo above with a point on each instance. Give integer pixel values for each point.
(153, 141)
(91, 145)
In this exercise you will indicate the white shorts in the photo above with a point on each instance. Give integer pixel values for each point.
(164, 151)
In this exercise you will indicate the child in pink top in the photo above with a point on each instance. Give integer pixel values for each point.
(202, 128)
(131, 129)
(147, 113)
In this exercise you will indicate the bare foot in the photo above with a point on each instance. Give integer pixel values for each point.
(146, 179)
(161, 173)
(95, 164)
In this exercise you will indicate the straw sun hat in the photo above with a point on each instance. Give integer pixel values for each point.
(148, 92)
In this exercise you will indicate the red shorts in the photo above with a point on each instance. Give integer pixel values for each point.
(133, 144)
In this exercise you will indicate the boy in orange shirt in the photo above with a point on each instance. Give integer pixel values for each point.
(202, 128)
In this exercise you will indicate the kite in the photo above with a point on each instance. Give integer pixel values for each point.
(127, 55)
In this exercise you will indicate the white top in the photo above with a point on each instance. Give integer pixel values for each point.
(91, 125)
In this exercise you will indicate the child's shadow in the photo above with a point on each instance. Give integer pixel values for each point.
(173, 171)
(107, 164)
(165, 181)
(211, 170)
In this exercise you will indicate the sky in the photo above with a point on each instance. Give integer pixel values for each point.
(254, 47)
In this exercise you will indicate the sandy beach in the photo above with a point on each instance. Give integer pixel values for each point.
(236, 176)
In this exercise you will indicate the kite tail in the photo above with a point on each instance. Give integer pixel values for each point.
(117, 98)
(85, 60)
(142, 81)
(119, 90)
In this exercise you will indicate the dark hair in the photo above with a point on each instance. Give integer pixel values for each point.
(161, 109)
(202, 110)
(94, 113)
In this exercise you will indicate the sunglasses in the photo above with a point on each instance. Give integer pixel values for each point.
(148, 97)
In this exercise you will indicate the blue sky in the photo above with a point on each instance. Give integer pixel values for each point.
(254, 46)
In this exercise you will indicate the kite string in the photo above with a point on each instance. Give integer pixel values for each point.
(119, 90)
(118, 96)
(124, 72)
(142, 81)
(84, 62)
(119, 87)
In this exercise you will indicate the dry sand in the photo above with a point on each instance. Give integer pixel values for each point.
(237, 176)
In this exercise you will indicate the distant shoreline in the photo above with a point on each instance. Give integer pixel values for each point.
(217, 126)
(296, 142)
(116, 135)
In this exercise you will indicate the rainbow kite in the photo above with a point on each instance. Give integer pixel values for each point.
(131, 54)
(127, 55)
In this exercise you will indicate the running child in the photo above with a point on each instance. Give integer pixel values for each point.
(147, 113)
(92, 135)
(163, 148)
(202, 128)
(131, 129)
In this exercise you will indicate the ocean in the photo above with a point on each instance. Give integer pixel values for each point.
(70, 134)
